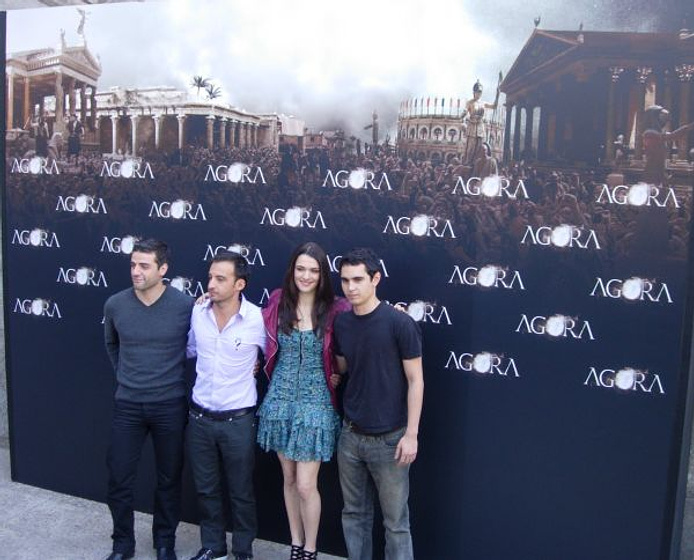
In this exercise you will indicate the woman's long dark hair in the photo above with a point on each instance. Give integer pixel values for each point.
(325, 294)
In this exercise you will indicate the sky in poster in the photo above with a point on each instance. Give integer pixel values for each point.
(329, 63)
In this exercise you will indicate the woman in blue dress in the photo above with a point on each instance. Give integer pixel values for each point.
(298, 417)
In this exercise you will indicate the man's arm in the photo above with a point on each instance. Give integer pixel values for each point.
(679, 133)
(191, 346)
(261, 342)
(406, 451)
(112, 341)
(336, 378)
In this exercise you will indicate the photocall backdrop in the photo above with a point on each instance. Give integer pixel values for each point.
(554, 335)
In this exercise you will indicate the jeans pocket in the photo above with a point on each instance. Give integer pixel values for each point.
(393, 438)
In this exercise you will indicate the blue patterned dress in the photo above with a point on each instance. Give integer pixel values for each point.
(297, 417)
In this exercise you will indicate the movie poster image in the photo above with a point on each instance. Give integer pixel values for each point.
(523, 170)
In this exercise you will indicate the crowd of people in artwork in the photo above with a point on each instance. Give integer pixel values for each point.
(493, 226)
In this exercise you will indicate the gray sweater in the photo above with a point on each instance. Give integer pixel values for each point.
(147, 344)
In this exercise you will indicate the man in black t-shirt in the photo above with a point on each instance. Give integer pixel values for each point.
(381, 348)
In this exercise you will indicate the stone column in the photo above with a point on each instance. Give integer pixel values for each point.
(232, 133)
(529, 117)
(71, 97)
(542, 133)
(92, 107)
(642, 74)
(114, 134)
(516, 133)
(684, 73)
(507, 133)
(615, 73)
(210, 132)
(59, 125)
(181, 130)
(10, 100)
(157, 130)
(133, 134)
(223, 132)
(242, 135)
(97, 131)
(83, 105)
(27, 101)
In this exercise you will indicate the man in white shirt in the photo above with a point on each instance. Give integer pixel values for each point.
(226, 333)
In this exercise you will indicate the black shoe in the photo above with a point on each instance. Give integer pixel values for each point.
(207, 554)
(242, 557)
(164, 553)
(120, 556)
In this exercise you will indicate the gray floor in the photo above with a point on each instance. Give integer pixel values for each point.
(38, 524)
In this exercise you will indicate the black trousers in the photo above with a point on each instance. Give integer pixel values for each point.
(132, 421)
(224, 450)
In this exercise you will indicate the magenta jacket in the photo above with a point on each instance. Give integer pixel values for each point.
(270, 315)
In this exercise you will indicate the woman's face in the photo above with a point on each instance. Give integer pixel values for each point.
(306, 274)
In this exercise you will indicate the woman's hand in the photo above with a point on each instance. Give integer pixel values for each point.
(335, 380)
(202, 299)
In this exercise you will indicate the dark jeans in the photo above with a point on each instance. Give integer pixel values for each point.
(224, 450)
(132, 421)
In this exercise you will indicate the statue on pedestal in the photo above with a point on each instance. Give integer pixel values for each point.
(474, 119)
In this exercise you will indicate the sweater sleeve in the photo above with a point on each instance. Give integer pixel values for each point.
(111, 337)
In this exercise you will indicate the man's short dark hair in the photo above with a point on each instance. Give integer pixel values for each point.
(241, 269)
(159, 248)
(365, 256)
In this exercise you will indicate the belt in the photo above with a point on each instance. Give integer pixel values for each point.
(221, 415)
(352, 427)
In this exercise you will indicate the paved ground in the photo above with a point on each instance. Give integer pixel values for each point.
(38, 524)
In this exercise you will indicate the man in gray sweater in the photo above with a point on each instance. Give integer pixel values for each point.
(146, 329)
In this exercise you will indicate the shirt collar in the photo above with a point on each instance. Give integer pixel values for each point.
(243, 310)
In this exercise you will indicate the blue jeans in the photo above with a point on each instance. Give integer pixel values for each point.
(165, 421)
(367, 466)
(224, 451)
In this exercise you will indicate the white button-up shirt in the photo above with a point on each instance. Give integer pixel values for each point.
(226, 358)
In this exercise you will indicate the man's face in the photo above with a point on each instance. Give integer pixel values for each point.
(359, 288)
(144, 271)
(222, 283)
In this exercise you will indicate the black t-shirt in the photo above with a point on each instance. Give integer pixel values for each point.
(374, 346)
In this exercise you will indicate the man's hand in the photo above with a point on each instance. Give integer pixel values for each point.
(202, 299)
(406, 451)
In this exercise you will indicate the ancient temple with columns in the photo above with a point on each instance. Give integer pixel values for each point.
(52, 82)
(576, 97)
(56, 83)
(130, 120)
